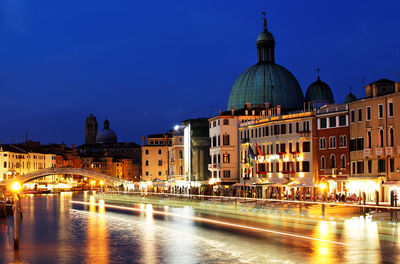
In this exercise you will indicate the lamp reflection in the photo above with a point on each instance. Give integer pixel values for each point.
(97, 237)
(149, 247)
(322, 250)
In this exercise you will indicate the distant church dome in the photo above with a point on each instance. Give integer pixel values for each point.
(107, 135)
(266, 81)
(319, 93)
(350, 98)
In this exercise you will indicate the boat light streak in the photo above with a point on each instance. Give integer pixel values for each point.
(211, 221)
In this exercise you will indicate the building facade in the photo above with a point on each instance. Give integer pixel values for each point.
(176, 157)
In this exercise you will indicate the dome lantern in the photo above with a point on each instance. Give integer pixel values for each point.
(265, 44)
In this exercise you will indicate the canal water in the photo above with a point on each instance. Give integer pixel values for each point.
(56, 231)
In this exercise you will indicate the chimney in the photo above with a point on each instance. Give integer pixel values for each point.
(233, 110)
(220, 111)
(278, 109)
(368, 91)
(166, 140)
(374, 90)
(397, 87)
(143, 140)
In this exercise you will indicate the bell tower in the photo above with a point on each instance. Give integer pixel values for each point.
(90, 130)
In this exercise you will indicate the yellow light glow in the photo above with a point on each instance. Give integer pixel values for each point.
(322, 186)
(301, 174)
(280, 175)
(16, 187)
(300, 158)
(92, 182)
(101, 183)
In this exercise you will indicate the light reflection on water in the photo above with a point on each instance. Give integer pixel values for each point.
(56, 231)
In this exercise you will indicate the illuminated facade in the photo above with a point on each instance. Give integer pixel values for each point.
(176, 157)
(155, 157)
(333, 147)
(284, 152)
(374, 145)
(16, 161)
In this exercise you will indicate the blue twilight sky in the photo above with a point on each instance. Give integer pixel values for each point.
(148, 65)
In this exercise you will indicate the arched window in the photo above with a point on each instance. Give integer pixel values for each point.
(322, 162)
(5, 164)
(333, 161)
(226, 122)
(369, 139)
(391, 136)
(343, 161)
(147, 163)
(381, 142)
(321, 143)
(344, 141)
(180, 170)
(180, 154)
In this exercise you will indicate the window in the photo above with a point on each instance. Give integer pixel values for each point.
(159, 162)
(306, 166)
(147, 173)
(342, 120)
(159, 151)
(391, 165)
(147, 163)
(277, 166)
(322, 143)
(306, 126)
(360, 167)
(381, 139)
(283, 147)
(380, 111)
(369, 164)
(390, 109)
(290, 128)
(283, 129)
(381, 166)
(290, 147)
(352, 118)
(360, 143)
(343, 141)
(306, 146)
(297, 147)
(322, 162)
(332, 142)
(226, 158)
(369, 139)
(267, 131)
(359, 114)
(297, 127)
(225, 140)
(391, 137)
(368, 113)
(226, 122)
(332, 121)
(276, 129)
(159, 173)
(297, 166)
(146, 151)
(333, 161)
(353, 167)
(5, 164)
(323, 123)
(227, 174)
(214, 141)
(180, 170)
(180, 154)
(343, 162)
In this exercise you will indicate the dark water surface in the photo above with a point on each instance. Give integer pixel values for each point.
(55, 231)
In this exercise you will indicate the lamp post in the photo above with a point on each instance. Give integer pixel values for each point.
(16, 187)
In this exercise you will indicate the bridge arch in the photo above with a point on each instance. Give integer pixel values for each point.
(110, 180)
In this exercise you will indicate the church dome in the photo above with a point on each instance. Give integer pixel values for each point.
(266, 81)
(107, 135)
(350, 98)
(319, 91)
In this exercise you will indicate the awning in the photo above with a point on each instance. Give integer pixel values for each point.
(240, 184)
(276, 181)
(364, 178)
(304, 182)
(392, 183)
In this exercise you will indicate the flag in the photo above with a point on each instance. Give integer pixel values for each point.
(259, 152)
(251, 153)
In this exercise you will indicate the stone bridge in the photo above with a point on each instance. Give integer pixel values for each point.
(108, 180)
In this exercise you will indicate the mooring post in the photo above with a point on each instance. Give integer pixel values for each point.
(17, 221)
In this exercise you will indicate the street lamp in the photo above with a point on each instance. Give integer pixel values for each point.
(16, 187)
(101, 184)
(92, 182)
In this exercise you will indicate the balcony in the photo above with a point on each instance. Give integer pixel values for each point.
(214, 166)
(332, 171)
(305, 133)
(367, 153)
(379, 152)
(245, 140)
(389, 151)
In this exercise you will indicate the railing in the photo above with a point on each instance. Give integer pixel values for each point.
(379, 152)
(389, 151)
(367, 153)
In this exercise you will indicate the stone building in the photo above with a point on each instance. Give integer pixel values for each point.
(175, 156)
(374, 146)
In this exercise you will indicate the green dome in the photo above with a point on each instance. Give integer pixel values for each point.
(266, 83)
(319, 91)
(350, 98)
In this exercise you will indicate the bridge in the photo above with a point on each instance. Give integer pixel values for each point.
(108, 180)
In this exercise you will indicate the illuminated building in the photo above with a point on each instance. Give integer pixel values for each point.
(90, 130)
(284, 152)
(155, 157)
(333, 146)
(374, 146)
(175, 156)
(224, 144)
(196, 151)
(16, 161)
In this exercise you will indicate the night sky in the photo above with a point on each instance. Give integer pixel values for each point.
(148, 65)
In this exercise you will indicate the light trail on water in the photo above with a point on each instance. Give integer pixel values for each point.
(210, 221)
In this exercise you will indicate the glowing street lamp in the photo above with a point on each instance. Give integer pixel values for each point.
(101, 184)
(92, 183)
(16, 187)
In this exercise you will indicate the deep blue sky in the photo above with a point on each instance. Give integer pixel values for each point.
(148, 65)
